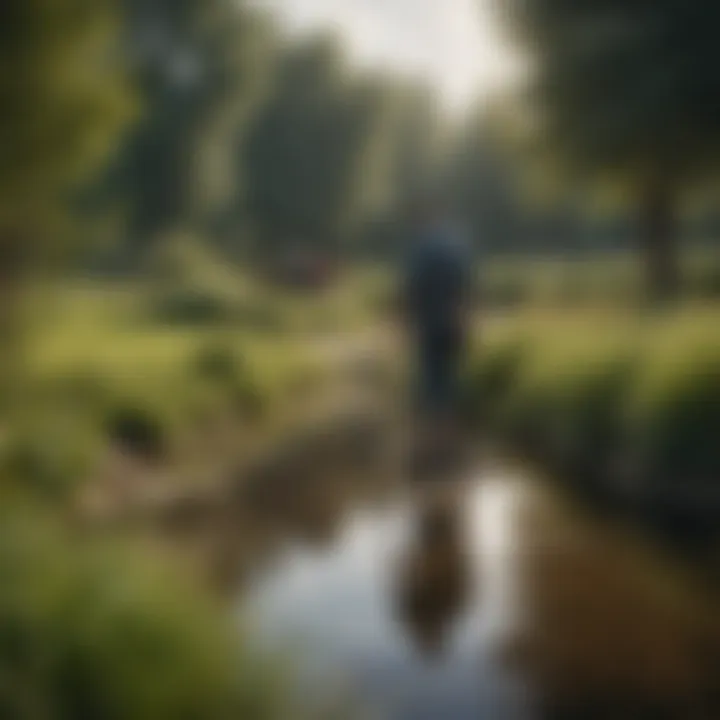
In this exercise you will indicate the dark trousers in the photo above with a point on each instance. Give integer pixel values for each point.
(438, 356)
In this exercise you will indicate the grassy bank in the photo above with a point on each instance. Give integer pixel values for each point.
(124, 383)
(163, 370)
(626, 408)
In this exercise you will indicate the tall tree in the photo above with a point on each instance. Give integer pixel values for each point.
(481, 182)
(418, 140)
(413, 143)
(63, 101)
(200, 66)
(64, 98)
(312, 150)
(627, 92)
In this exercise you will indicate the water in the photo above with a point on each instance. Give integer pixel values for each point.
(488, 599)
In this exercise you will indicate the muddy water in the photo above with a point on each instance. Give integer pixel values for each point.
(488, 598)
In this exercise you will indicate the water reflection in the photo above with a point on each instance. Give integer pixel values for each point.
(434, 578)
(486, 599)
(394, 609)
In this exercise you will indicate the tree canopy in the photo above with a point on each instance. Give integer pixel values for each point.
(623, 88)
(312, 150)
(200, 65)
(627, 92)
(64, 96)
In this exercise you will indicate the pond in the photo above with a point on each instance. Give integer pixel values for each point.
(491, 597)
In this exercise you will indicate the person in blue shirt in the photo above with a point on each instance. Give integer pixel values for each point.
(436, 290)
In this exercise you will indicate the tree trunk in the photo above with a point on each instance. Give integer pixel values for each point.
(659, 241)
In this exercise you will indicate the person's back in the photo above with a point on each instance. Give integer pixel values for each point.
(437, 282)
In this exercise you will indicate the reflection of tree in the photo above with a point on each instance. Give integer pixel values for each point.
(433, 580)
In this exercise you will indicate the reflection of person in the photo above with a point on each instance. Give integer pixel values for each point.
(436, 288)
(434, 578)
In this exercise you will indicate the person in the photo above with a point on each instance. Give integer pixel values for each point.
(436, 288)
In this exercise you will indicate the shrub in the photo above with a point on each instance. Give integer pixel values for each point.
(676, 415)
(198, 305)
(586, 417)
(231, 377)
(49, 458)
(492, 377)
(640, 400)
(92, 631)
(193, 306)
(138, 429)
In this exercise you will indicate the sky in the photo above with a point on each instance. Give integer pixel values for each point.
(457, 44)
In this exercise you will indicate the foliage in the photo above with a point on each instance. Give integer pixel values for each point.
(621, 95)
(200, 67)
(625, 88)
(138, 430)
(97, 631)
(49, 457)
(64, 97)
(480, 180)
(633, 400)
(309, 153)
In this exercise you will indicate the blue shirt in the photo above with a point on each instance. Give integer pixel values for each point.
(439, 270)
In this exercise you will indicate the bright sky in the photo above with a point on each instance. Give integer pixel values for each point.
(456, 43)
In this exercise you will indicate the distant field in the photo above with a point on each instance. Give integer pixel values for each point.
(614, 280)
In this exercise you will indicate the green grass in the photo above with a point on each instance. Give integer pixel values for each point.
(101, 367)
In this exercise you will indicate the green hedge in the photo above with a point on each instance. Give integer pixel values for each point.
(618, 403)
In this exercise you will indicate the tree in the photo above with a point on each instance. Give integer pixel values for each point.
(64, 99)
(413, 144)
(312, 150)
(626, 92)
(200, 66)
(418, 141)
(481, 182)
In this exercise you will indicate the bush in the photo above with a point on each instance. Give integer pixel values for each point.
(492, 377)
(200, 306)
(98, 632)
(139, 430)
(647, 399)
(676, 415)
(49, 458)
(585, 418)
(231, 377)
(193, 306)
